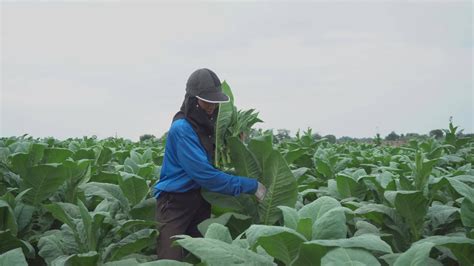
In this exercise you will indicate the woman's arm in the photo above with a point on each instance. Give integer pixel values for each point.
(194, 161)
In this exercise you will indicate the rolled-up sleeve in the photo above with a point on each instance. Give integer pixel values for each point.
(195, 163)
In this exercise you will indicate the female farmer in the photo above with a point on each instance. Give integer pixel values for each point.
(187, 165)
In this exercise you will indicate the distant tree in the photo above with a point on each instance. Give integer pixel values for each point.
(282, 134)
(378, 140)
(436, 133)
(412, 135)
(331, 138)
(345, 139)
(316, 136)
(146, 136)
(392, 136)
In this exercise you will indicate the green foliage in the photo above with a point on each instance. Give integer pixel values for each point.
(87, 201)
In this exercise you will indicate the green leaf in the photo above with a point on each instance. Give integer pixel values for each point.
(64, 212)
(7, 218)
(279, 242)
(133, 187)
(290, 217)
(441, 215)
(368, 242)
(144, 210)
(412, 206)
(343, 256)
(418, 254)
(106, 191)
(281, 188)
(83, 259)
(329, 220)
(243, 160)
(461, 247)
(236, 223)
(215, 252)
(56, 155)
(10, 242)
(132, 243)
(463, 189)
(318, 208)
(53, 245)
(219, 232)
(364, 227)
(261, 147)
(23, 215)
(13, 257)
(44, 180)
(467, 213)
(305, 227)
(224, 118)
(348, 187)
(331, 225)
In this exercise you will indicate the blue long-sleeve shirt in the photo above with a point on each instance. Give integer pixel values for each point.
(186, 166)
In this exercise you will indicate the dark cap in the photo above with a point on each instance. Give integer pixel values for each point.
(205, 85)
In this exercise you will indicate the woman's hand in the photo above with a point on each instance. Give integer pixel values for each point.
(261, 192)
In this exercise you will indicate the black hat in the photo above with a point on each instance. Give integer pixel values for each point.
(205, 85)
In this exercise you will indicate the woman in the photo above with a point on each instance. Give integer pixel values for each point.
(187, 165)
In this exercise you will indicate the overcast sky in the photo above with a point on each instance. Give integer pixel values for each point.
(346, 68)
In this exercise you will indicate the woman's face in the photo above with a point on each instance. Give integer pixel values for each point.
(208, 107)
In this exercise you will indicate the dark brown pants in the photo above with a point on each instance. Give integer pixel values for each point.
(178, 214)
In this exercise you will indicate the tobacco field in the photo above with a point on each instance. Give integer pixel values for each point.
(87, 201)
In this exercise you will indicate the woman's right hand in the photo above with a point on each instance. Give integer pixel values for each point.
(261, 192)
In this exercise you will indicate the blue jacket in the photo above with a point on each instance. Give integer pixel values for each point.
(186, 166)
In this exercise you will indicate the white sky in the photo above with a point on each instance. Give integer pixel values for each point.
(346, 68)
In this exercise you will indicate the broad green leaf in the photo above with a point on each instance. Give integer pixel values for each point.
(14, 257)
(23, 215)
(417, 255)
(219, 232)
(56, 155)
(7, 218)
(144, 210)
(331, 225)
(412, 206)
(368, 242)
(132, 243)
(215, 252)
(236, 223)
(376, 212)
(261, 147)
(281, 243)
(52, 245)
(133, 187)
(224, 119)
(329, 220)
(134, 262)
(440, 215)
(106, 191)
(348, 187)
(305, 227)
(243, 160)
(461, 247)
(467, 213)
(10, 242)
(364, 227)
(463, 189)
(290, 217)
(318, 208)
(64, 212)
(281, 188)
(44, 180)
(83, 259)
(346, 256)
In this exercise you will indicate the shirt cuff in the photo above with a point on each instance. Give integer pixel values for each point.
(249, 185)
